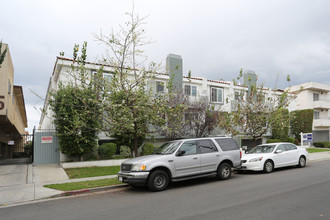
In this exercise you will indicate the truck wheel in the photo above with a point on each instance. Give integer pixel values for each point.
(158, 180)
(224, 171)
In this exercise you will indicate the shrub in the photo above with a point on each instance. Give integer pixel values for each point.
(125, 151)
(273, 141)
(301, 121)
(291, 140)
(318, 144)
(107, 150)
(147, 149)
(322, 144)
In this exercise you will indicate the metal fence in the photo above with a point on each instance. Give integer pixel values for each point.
(16, 148)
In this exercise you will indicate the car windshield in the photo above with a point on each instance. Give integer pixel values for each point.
(168, 148)
(262, 149)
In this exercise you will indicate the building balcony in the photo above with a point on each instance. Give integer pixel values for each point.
(321, 104)
(321, 123)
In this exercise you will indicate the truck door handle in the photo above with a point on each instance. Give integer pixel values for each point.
(217, 155)
(195, 158)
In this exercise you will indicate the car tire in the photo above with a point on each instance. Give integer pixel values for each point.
(158, 180)
(224, 171)
(302, 161)
(268, 166)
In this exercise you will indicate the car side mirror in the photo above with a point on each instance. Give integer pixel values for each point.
(278, 151)
(181, 152)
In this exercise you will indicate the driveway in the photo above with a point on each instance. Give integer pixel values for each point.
(24, 182)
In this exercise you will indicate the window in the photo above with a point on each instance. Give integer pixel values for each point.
(227, 144)
(9, 87)
(216, 95)
(281, 147)
(189, 148)
(160, 86)
(206, 146)
(237, 95)
(290, 147)
(316, 115)
(190, 90)
(315, 97)
(107, 77)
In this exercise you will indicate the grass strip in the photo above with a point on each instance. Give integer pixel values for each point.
(75, 173)
(316, 150)
(84, 184)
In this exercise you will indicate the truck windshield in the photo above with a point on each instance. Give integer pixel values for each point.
(168, 148)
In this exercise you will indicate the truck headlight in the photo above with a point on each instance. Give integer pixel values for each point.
(138, 167)
(256, 159)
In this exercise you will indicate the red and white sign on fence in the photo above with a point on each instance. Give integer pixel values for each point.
(46, 139)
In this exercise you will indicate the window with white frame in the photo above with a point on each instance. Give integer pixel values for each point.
(160, 86)
(237, 95)
(107, 77)
(316, 115)
(216, 95)
(315, 97)
(190, 90)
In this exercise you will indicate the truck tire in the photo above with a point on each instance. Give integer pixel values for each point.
(158, 180)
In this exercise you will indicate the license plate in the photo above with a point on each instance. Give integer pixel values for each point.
(120, 179)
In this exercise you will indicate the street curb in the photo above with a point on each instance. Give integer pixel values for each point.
(90, 190)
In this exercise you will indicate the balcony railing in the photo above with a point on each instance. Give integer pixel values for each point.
(321, 104)
(322, 122)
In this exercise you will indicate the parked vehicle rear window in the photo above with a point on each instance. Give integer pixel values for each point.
(206, 146)
(227, 144)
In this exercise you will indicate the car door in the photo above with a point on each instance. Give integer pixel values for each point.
(281, 159)
(293, 154)
(187, 160)
(209, 155)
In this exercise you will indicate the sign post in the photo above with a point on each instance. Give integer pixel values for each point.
(306, 138)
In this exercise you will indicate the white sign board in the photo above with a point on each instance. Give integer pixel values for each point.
(46, 139)
(306, 138)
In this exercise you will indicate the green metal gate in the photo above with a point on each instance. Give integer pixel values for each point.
(46, 147)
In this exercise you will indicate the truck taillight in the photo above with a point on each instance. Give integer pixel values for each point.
(240, 154)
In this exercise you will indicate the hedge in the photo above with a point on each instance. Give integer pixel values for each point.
(325, 144)
(107, 150)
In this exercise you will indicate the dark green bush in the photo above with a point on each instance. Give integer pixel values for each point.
(125, 151)
(107, 150)
(269, 141)
(325, 144)
(291, 140)
(318, 144)
(147, 149)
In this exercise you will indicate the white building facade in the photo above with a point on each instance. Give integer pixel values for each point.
(223, 94)
(314, 96)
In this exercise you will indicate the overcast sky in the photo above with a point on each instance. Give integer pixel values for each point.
(215, 38)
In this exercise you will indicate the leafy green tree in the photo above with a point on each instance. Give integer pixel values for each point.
(301, 121)
(77, 110)
(130, 107)
(255, 110)
(280, 125)
(2, 54)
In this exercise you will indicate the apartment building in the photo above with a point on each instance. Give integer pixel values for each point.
(13, 120)
(221, 93)
(315, 96)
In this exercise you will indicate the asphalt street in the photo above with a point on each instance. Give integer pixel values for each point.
(290, 193)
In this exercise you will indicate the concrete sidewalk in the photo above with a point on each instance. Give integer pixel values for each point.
(23, 183)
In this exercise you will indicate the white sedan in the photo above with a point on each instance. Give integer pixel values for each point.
(267, 157)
